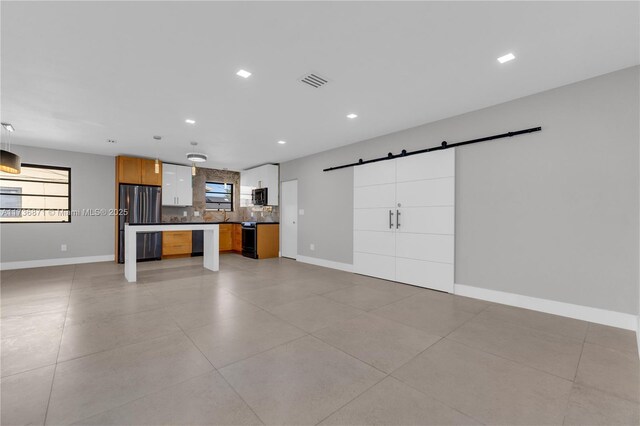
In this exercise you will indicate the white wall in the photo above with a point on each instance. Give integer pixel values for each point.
(551, 215)
(92, 187)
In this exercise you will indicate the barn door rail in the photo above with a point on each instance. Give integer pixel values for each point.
(443, 145)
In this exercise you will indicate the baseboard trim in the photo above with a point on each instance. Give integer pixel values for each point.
(638, 336)
(325, 263)
(5, 266)
(585, 313)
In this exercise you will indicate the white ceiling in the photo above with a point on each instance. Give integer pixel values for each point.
(75, 74)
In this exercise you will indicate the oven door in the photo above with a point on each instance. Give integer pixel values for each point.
(249, 242)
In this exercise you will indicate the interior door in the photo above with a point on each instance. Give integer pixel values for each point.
(425, 237)
(289, 219)
(374, 199)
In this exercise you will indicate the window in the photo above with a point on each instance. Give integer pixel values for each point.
(219, 196)
(36, 194)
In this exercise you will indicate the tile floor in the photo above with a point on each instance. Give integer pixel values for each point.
(280, 342)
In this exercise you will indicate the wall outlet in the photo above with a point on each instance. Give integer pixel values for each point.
(196, 213)
(301, 212)
(63, 247)
(312, 247)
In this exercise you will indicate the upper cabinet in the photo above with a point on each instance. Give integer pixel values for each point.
(266, 176)
(148, 175)
(177, 189)
(138, 171)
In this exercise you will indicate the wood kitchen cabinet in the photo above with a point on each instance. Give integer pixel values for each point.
(148, 175)
(176, 243)
(226, 236)
(268, 240)
(138, 171)
(237, 237)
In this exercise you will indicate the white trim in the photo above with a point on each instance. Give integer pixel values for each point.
(585, 313)
(326, 263)
(638, 336)
(5, 266)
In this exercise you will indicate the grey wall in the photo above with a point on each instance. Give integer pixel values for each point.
(552, 215)
(92, 187)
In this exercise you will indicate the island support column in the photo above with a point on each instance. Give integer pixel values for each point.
(211, 252)
(130, 253)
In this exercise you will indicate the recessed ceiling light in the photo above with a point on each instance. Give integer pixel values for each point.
(506, 58)
(190, 121)
(243, 73)
(282, 142)
(352, 115)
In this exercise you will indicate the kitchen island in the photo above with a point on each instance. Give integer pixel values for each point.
(211, 258)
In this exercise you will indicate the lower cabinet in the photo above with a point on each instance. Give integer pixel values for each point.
(226, 236)
(268, 240)
(237, 237)
(176, 243)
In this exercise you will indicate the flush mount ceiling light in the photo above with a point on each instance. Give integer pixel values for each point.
(282, 142)
(9, 162)
(190, 121)
(244, 73)
(506, 58)
(352, 115)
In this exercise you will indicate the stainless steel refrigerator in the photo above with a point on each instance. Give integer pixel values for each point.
(143, 205)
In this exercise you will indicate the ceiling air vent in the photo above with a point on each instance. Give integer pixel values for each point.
(314, 80)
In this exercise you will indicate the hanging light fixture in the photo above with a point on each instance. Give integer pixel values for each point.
(9, 162)
(156, 165)
(195, 157)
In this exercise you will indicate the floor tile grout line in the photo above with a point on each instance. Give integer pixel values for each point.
(538, 330)
(352, 399)
(144, 340)
(164, 387)
(434, 396)
(221, 375)
(55, 368)
(510, 360)
(575, 375)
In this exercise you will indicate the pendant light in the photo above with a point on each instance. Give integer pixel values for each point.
(9, 162)
(156, 165)
(195, 157)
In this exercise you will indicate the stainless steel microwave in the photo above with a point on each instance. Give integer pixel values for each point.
(259, 197)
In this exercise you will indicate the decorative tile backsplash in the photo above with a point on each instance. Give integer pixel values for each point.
(203, 175)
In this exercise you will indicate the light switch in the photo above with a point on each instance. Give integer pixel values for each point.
(196, 213)
(312, 247)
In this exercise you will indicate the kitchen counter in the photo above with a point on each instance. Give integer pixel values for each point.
(210, 223)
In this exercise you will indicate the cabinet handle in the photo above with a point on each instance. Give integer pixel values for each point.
(397, 219)
(390, 219)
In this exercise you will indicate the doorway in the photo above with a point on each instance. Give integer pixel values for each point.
(289, 219)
